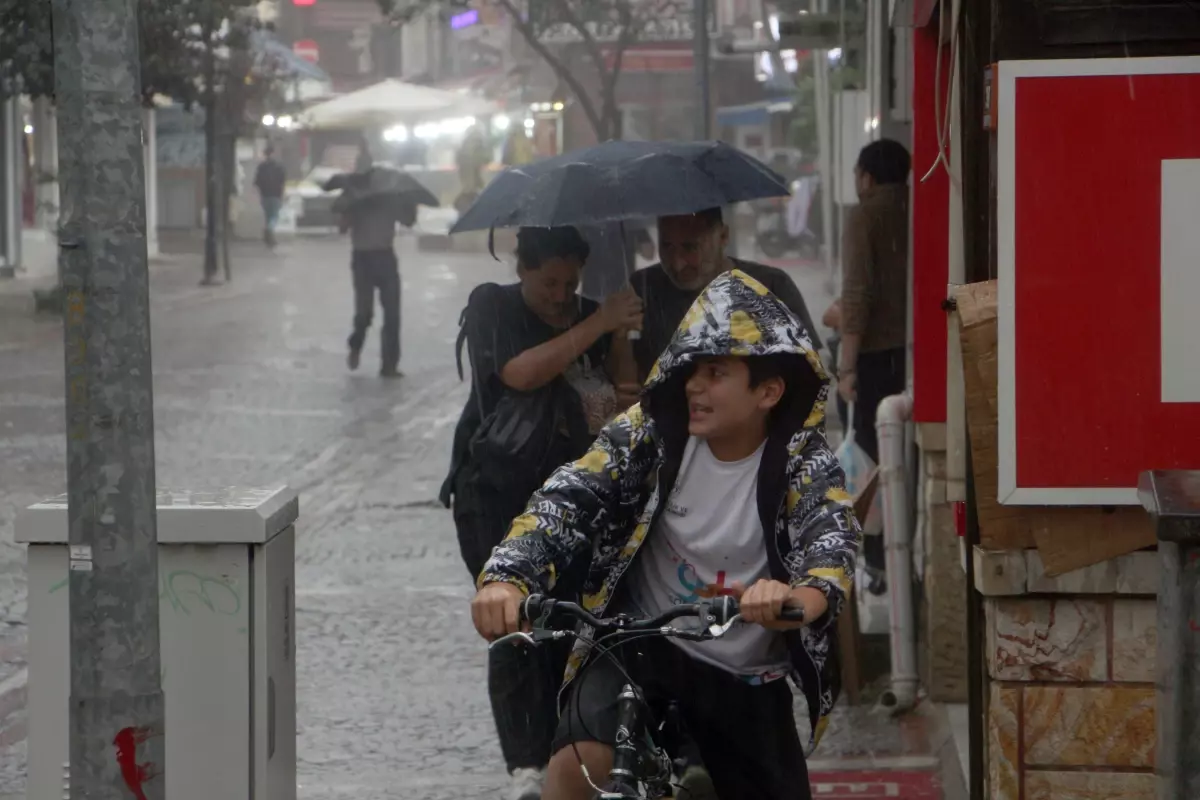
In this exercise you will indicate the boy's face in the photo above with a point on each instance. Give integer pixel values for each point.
(722, 403)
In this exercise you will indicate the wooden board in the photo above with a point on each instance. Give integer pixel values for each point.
(1073, 538)
(1000, 527)
(1066, 537)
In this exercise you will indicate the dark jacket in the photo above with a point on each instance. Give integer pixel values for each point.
(270, 179)
(875, 269)
(610, 500)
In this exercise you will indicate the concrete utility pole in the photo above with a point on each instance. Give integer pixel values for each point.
(212, 206)
(10, 185)
(116, 702)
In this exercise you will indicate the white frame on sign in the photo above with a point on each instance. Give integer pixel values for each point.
(1007, 75)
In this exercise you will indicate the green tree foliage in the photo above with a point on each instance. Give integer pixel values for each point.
(170, 32)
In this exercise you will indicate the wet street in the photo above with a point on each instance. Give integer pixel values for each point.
(251, 389)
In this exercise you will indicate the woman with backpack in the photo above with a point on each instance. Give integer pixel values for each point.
(548, 370)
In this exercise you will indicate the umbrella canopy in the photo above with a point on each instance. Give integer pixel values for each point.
(378, 184)
(390, 102)
(621, 180)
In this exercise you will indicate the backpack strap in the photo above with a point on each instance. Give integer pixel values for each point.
(462, 339)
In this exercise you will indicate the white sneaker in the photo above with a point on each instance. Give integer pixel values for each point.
(526, 785)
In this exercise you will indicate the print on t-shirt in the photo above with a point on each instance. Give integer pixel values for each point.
(708, 538)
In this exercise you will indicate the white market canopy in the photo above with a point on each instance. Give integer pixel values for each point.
(392, 102)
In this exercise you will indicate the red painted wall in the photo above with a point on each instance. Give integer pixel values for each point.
(930, 231)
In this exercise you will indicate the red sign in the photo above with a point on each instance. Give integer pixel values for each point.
(307, 49)
(1098, 245)
(304, 2)
(930, 229)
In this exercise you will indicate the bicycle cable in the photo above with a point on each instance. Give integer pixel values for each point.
(619, 639)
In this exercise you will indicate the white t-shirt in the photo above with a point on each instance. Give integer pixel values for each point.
(709, 536)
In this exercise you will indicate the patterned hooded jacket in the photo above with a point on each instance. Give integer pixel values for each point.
(607, 503)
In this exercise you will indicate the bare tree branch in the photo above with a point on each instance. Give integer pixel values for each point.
(626, 38)
(608, 57)
(589, 41)
(527, 30)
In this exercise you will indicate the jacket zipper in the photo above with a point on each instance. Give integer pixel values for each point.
(812, 739)
(612, 589)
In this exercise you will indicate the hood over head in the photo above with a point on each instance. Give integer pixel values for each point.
(737, 316)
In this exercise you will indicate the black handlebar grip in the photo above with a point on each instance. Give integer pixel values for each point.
(532, 607)
(792, 614)
(725, 608)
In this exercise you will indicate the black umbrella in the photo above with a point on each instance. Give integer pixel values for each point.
(616, 181)
(378, 184)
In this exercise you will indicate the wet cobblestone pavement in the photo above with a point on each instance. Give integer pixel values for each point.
(251, 389)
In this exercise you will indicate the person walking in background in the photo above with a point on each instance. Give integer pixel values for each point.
(542, 360)
(873, 308)
(270, 179)
(372, 227)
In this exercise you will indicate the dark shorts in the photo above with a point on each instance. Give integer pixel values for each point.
(746, 735)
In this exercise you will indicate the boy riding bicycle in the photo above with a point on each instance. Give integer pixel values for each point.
(719, 482)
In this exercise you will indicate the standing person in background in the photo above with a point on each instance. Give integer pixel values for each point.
(536, 336)
(874, 301)
(372, 227)
(270, 179)
(364, 159)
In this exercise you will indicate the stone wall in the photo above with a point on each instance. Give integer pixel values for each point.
(943, 641)
(1071, 667)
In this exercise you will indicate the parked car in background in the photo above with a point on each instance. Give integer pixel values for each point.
(313, 205)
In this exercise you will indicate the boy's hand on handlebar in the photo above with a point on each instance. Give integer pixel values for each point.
(763, 602)
(496, 610)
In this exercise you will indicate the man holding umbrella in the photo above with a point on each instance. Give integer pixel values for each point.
(692, 248)
(373, 200)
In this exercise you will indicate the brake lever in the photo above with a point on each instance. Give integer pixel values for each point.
(717, 631)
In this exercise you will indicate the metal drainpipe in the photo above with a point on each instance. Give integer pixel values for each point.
(891, 421)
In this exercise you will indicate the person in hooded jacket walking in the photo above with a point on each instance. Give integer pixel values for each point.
(719, 481)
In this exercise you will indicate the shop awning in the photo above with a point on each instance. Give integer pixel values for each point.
(390, 102)
(751, 114)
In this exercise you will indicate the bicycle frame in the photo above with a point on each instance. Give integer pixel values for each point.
(633, 747)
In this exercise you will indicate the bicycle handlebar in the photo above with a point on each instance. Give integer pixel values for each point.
(720, 612)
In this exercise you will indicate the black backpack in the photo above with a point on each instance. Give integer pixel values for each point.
(527, 435)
